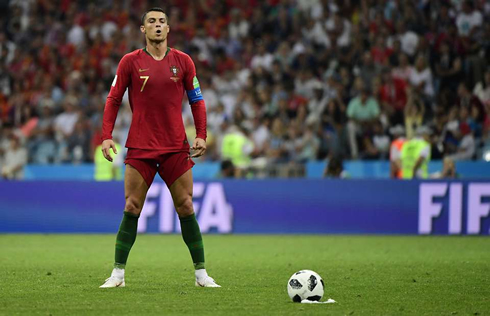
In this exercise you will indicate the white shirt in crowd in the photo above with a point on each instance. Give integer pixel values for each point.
(260, 136)
(317, 8)
(425, 76)
(409, 41)
(14, 158)
(344, 39)
(205, 45)
(76, 35)
(382, 143)
(316, 108)
(9, 47)
(466, 22)
(482, 93)
(317, 35)
(466, 148)
(264, 61)
(238, 30)
(211, 98)
(65, 122)
(306, 87)
(107, 30)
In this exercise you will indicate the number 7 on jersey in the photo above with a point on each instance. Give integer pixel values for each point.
(144, 82)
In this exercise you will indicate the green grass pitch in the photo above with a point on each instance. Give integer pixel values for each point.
(366, 275)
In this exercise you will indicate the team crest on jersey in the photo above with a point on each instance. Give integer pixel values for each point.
(175, 71)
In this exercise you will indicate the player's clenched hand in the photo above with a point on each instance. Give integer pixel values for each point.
(106, 146)
(199, 146)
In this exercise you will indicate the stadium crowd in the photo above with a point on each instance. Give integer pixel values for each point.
(295, 80)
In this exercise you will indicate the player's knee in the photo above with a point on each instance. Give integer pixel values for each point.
(133, 206)
(185, 208)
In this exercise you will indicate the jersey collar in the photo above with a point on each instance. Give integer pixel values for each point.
(166, 53)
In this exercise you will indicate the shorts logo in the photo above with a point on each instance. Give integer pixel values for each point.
(175, 71)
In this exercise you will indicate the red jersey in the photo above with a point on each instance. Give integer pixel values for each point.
(395, 95)
(156, 89)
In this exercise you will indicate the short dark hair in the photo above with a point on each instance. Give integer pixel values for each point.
(156, 9)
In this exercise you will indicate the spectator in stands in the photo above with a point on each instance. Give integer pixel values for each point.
(394, 59)
(466, 145)
(413, 112)
(380, 53)
(448, 68)
(238, 26)
(469, 19)
(408, 39)
(335, 169)
(317, 104)
(42, 144)
(339, 28)
(275, 148)
(7, 49)
(263, 58)
(314, 32)
(482, 88)
(449, 169)
(368, 69)
(79, 143)
(393, 96)
(421, 79)
(377, 145)
(227, 169)
(249, 57)
(468, 100)
(403, 70)
(308, 145)
(15, 159)
(362, 111)
(260, 135)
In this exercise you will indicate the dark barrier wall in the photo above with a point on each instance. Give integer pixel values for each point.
(256, 206)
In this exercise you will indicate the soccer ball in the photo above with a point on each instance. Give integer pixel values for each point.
(305, 284)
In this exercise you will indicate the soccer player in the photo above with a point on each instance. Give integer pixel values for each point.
(156, 77)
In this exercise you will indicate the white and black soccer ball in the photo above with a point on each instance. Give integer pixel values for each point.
(306, 285)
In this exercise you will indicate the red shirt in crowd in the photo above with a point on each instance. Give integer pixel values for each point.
(395, 94)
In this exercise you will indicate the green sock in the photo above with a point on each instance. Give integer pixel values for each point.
(193, 239)
(125, 239)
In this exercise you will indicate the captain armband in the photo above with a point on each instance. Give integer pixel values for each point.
(194, 95)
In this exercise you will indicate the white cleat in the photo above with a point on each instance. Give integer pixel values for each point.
(207, 282)
(113, 282)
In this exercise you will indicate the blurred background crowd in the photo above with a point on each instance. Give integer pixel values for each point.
(289, 80)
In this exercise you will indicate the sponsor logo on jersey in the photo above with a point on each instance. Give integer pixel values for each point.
(143, 70)
(175, 71)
